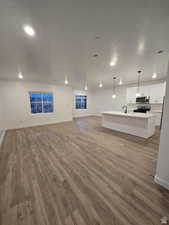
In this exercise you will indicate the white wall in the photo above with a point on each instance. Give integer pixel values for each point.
(162, 173)
(0, 113)
(0, 133)
(16, 111)
(102, 100)
(0, 118)
(83, 112)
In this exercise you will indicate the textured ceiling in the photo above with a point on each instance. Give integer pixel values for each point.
(70, 32)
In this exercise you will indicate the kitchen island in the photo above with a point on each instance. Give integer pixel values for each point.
(138, 124)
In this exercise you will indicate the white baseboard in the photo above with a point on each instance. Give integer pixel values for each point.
(83, 115)
(27, 125)
(86, 115)
(2, 136)
(161, 182)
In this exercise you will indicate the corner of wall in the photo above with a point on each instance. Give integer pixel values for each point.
(2, 134)
(161, 182)
(162, 171)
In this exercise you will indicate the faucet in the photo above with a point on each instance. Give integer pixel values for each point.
(124, 108)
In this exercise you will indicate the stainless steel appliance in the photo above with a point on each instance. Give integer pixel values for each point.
(142, 104)
(142, 99)
(143, 108)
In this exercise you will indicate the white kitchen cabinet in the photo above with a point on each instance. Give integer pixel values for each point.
(131, 95)
(144, 91)
(155, 91)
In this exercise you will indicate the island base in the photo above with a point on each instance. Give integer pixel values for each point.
(141, 127)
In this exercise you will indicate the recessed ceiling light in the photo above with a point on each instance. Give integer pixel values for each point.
(154, 76)
(160, 51)
(114, 96)
(96, 37)
(29, 30)
(20, 76)
(95, 55)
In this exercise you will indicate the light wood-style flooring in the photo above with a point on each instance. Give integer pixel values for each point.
(78, 173)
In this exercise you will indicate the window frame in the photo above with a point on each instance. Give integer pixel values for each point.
(42, 101)
(85, 97)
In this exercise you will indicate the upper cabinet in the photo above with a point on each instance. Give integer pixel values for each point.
(145, 91)
(131, 95)
(155, 91)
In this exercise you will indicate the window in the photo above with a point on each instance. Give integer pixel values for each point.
(41, 102)
(81, 102)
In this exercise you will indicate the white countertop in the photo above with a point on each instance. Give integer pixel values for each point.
(156, 111)
(132, 114)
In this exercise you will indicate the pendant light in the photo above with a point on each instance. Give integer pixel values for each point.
(86, 88)
(20, 75)
(138, 84)
(100, 84)
(66, 81)
(114, 88)
(154, 76)
(120, 82)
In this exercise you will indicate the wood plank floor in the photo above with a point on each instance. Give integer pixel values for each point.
(78, 173)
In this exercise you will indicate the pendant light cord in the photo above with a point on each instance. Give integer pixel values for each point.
(138, 84)
(114, 88)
